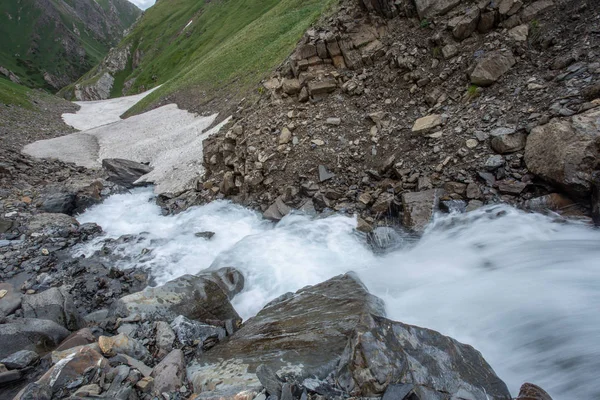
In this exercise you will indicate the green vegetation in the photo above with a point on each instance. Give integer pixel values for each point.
(425, 23)
(33, 38)
(13, 94)
(229, 45)
(436, 52)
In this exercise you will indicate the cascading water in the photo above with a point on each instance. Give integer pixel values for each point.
(524, 289)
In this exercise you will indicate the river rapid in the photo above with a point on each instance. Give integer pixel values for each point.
(522, 288)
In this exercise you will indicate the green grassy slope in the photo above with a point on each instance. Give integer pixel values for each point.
(13, 94)
(229, 44)
(33, 32)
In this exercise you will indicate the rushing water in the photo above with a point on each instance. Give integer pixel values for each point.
(524, 289)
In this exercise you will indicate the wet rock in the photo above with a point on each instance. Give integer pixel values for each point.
(300, 318)
(123, 344)
(596, 197)
(426, 124)
(511, 187)
(198, 297)
(49, 224)
(358, 351)
(9, 376)
(10, 299)
(124, 172)
(30, 334)
(508, 143)
(383, 203)
(80, 338)
(419, 208)
(65, 372)
(491, 67)
(55, 305)
(565, 152)
(61, 203)
(205, 235)
(169, 373)
(191, 332)
(277, 210)
(553, 202)
(20, 359)
(473, 191)
(529, 391)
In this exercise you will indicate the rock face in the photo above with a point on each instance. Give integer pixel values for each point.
(419, 208)
(566, 152)
(124, 172)
(198, 297)
(491, 67)
(357, 350)
(30, 334)
(55, 305)
(430, 8)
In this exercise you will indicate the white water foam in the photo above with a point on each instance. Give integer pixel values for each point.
(522, 288)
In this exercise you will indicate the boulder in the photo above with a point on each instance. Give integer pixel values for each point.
(426, 124)
(20, 359)
(508, 143)
(491, 67)
(464, 25)
(383, 203)
(291, 86)
(123, 344)
(30, 334)
(80, 338)
(333, 338)
(64, 373)
(164, 338)
(277, 210)
(566, 152)
(50, 224)
(169, 373)
(529, 391)
(322, 87)
(5, 225)
(189, 331)
(10, 299)
(124, 172)
(198, 297)
(419, 208)
(55, 305)
(61, 203)
(430, 8)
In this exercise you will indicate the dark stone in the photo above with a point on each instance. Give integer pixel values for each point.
(11, 300)
(30, 334)
(398, 391)
(269, 379)
(324, 174)
(62, 203)
(189, 331)
(125, 172)
(55, 305)
(596, 197)
(5, 225)
(20, 359)
(80, 338)
(205, 235)
(9, 376)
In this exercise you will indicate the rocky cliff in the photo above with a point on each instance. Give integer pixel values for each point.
(51, 43)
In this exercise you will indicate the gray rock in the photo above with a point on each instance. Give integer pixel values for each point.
(169, 373)
(9, 300)
(9, 376)
(510, 143)
(464, 25)
(61, 203)
(419, 208)
(5, 225)
(565, 152)
(277, 210)
(55, 305)
(324, 174)
(125, 172)
(98, 90)
(30, 334)
(358, 350)
(491, 67)
(430, 8)
(50, 224)
(205, 235)
(189, 331)
(398, 391)
(164, 338)
(198, 297)
(383, 203)
(80, 338)
(494, 162)
(20, 359)
(269, 379)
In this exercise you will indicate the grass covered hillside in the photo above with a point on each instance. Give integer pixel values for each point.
(202, 47)
(50, 43)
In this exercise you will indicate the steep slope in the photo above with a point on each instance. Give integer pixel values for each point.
(51, 43)
(197, 49)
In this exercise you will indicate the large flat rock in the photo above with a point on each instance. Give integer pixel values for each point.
(333, 338)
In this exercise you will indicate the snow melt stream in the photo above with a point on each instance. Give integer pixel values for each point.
(524, 289)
